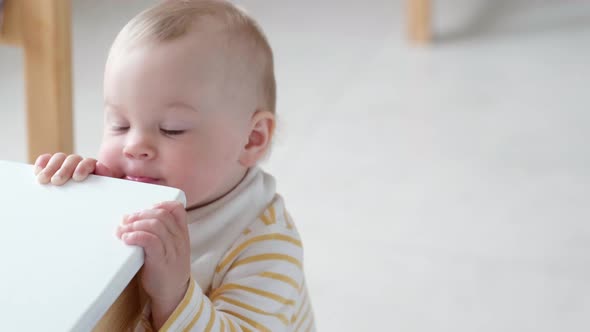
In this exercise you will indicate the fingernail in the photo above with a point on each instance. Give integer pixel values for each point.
(37, 169)
(56, 178)
(42, 178)
(125, 236)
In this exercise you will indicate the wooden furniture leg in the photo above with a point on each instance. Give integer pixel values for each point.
(9, 29)
(47, 45)
(43, 29)
(122, 315)
(419, 20)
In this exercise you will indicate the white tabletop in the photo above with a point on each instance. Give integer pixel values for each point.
(61, 264)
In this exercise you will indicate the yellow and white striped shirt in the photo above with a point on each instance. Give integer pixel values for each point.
(247, 266)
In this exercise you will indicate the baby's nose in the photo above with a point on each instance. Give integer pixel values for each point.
(139, 149)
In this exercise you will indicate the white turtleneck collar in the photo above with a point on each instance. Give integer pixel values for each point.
(215, 227)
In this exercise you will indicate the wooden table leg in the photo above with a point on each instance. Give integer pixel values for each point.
(122, 315)
(46, 39)
(419, 20)
(10, 32)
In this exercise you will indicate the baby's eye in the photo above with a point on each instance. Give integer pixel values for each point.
(119, 128)
(171, 132)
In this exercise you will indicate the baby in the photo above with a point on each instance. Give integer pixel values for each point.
(189, 102)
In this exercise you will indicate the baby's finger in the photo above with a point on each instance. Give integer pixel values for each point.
(163, 216)
(84, 168)
(153, 226)
(176, 209)
(52, 166)
(151, 244)
(41, 162)
(66, 170)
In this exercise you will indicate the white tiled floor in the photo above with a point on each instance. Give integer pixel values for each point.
(436, 189)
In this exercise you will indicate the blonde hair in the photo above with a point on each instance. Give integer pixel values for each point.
(173, 19)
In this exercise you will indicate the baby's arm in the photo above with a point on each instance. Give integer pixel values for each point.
(59, 168)
(262, 283)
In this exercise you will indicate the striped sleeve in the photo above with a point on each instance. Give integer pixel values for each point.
(259, 288)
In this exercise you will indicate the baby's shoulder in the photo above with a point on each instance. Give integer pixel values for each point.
(270, 239)
(274, 218)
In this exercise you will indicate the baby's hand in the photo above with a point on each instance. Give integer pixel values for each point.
(59, 168)
(163, 234)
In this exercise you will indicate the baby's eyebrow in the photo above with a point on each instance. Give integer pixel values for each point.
(112, 106)
(179, 104)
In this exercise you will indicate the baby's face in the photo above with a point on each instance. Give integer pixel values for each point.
(166, 122)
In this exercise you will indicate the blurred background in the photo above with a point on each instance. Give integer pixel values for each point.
(437, 187)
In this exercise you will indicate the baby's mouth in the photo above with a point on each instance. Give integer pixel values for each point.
(143, 179)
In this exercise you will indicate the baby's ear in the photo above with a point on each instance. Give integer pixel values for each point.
(262, 126)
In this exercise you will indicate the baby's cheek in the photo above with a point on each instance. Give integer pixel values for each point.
(110, 156)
